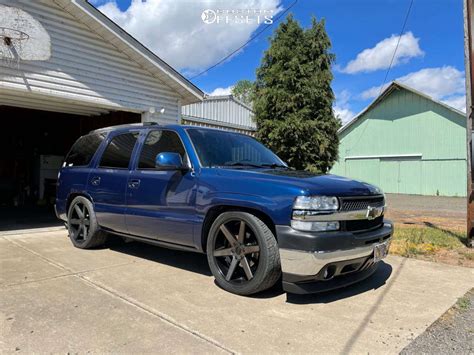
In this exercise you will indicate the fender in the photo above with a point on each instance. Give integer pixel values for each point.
(261, 203)
(276, 212)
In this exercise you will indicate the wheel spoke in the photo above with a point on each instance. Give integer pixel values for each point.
(86, 222)
(84, 231)
(241, 232)
(75, 232)
(245, 265)
(78, 211)
(251, 249)
(228, 235)
(223, 252)
(74, 221)
(232, 267)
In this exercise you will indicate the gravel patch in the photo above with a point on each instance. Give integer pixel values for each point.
(453, 333)
(436, 204)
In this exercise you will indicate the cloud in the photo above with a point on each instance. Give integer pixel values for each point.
(221, 91)
(379, 57)
(456, 101)
(177, 33)
(439, 83)
(373, 92)
(342, 108)
(344, 114)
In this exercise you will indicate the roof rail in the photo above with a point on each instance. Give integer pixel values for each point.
(122, 126)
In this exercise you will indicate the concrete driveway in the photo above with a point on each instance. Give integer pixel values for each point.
(139, 298)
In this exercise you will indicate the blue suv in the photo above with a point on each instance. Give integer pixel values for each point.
(226, 195)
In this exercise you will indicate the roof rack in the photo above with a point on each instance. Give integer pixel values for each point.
(121, 126)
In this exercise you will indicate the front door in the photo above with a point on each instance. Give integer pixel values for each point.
(108, 182)
(161, 203)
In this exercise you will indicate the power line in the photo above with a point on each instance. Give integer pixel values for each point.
(243, 45)
(388, 70)
(396, 48)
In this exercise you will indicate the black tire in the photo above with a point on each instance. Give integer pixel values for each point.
(84, 231)
(261, 268)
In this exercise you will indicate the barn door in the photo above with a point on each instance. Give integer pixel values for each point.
(401, 176)
(410, 177)
(366, 170)
(389, 175)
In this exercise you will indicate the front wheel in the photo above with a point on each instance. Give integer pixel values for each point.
(243, 253)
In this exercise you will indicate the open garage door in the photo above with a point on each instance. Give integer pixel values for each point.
(33, 144)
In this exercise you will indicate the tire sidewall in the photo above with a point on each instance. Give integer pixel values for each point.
(261, 272)
(93, 226)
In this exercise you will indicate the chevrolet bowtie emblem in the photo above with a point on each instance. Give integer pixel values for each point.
(374, 212)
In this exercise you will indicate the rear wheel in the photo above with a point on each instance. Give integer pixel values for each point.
(243, 253)
(84, 231)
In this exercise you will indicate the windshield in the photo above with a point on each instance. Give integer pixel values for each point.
(219, 148)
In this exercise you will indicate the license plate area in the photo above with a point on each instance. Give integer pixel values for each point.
(381, 250)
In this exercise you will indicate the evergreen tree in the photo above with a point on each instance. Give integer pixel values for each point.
(243, 90)
(293, 97)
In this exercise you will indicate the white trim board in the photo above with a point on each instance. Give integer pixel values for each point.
(415, 155)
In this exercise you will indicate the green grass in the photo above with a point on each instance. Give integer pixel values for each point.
(411, 241)
(463, 303)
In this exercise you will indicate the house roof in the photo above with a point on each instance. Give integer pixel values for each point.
(113, 33)
(395, 85)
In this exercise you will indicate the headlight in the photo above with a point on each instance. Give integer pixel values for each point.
(316, 203)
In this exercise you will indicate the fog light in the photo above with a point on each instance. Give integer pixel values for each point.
(315, 226)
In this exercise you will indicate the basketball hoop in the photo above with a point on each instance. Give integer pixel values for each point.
(10, 46)
(22, 38)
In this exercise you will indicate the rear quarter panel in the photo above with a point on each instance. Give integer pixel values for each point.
(72, 180)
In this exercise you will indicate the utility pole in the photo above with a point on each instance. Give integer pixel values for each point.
(468, 59)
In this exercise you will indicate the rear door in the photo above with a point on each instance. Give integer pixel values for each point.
(161, 203)
(107, 183)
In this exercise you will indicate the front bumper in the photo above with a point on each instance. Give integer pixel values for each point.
(316, 262)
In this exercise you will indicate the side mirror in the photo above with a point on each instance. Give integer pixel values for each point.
(169, 161)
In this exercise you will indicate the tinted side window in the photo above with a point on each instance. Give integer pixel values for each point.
(119, 151)
(157, 142)
(84, 149)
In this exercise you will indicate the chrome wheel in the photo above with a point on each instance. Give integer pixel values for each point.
(79, 222)
(236, 251)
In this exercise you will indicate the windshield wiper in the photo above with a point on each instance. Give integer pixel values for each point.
(274, 166)
(239, 163)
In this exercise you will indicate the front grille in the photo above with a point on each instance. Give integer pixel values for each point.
(363, 224)
(356, 204)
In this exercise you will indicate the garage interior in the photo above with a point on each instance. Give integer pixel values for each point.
(33, 144)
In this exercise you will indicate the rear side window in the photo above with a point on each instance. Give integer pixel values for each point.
(84, 149)
(119, 151)
(158, 142)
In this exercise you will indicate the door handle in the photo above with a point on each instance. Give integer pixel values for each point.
(95, 181)
(134, 184)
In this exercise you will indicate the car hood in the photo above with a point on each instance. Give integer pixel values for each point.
(306, 182)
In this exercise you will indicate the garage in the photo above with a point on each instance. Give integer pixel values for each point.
(66, 69)
(407, 143)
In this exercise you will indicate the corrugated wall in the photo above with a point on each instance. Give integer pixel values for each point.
(83, 67)
(407, 144)
(220, 111)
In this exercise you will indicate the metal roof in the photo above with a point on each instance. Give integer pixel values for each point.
(395, 85)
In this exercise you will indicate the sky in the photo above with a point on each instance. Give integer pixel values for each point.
(364, 35)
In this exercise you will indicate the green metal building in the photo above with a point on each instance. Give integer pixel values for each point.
(405, 142)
